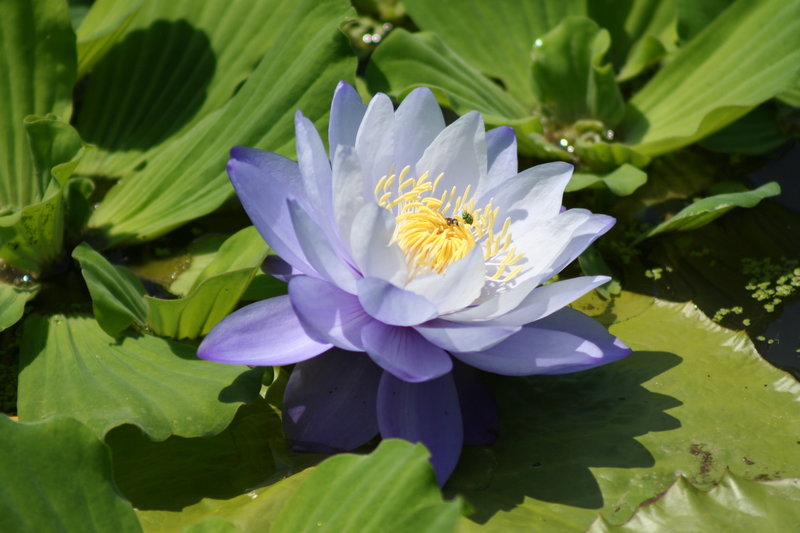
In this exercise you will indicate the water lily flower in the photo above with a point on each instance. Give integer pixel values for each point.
(414, 254)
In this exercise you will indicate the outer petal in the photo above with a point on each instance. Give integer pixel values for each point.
(319, 250)
(265, 333)
(478, 409)
(263, 182)
(459, 151)
(418, 120)
(315, 168)
(501, 151)
(423, 412)
(328, 313)
(392, 305)
(567, 341)
(457, 337)
(404, 353)
(330, 402)
(539, 303)
(346, 114)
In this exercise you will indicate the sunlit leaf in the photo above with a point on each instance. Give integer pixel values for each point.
(71, 367)
(703, 211)
(695, 15)
(748, 54)
(622, 181)
(186, 179)
(102, 26)
(38, 66)
(57, 477)
(736, 505)
(117, 294)
(690, 400)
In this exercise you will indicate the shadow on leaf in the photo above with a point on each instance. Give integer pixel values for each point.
(554, 429)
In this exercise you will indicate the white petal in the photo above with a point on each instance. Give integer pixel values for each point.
(370, 237)
(418, 120)
(375, 141)
(457, 287)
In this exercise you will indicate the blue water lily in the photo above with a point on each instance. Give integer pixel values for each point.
(414, 254)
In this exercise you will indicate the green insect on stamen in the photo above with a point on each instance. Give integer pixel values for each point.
(467, 218)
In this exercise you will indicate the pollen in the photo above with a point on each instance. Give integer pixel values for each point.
(435, 230)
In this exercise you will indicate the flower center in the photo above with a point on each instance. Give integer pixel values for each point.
(434, 231)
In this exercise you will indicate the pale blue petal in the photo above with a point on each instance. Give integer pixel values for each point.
(404, 353)
(315, 168)
(319, 251)
(348, 191)
(266, 333)
(370, 238)
(501, 152)
(329, 313)
(346, 114)
(375, 141)
(418, 120)
(457, 287)
(566, 341)
(264, 181)
(457, 337)
(392, 305)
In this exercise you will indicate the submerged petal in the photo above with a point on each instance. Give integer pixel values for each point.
(266, 333)
(423, 412)
(478, 410)
(566, 341)
(404, 353)
(328, 312)
(330, 402)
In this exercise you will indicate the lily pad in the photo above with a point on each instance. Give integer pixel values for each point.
(734, 505)
(690, 400)
(57, 477)
(70, 366)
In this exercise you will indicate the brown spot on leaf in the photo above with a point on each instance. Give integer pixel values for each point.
(706, 459)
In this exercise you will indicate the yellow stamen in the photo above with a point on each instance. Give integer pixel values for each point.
(434, 231)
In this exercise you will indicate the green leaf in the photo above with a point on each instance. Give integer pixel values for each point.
(180, 472)
(735, 505)
(33, 238)
(12, 303)
(622, 182)
(690, 400)
(308, 54)
(201, 252)
(695, 15)
(379, 492)
(183, 61)
(212, 524)
(495, 37)
(569, 76)
(791, 96)
(100, 29)
(758, 132)
(703, 211)
(72, 367)
(117, 294)
(644, 54)
(38, 66)
(748, 54)
(57, 477)
(215, 291)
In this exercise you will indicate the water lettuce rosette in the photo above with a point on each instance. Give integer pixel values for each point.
(414, 254)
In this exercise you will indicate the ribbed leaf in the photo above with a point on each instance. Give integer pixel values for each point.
(186, 179)
(72, 367)
(38, 66)
(703, 211)
(757, 132)
(622, 182)
(380, 492)
(495, 37)
(12, 303)
(214, 292)
(748, 54)
(117, 294)
(177, 62)
(736, 505)
(57, 477)
(103, 25)
(32, 237)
